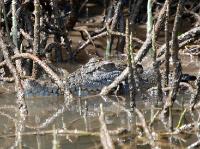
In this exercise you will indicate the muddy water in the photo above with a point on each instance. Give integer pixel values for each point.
(73, 118)
(191, 64)
(48, 112)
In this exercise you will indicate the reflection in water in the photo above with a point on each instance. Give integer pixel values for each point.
(44, 113)
(47, 113)
(50, 115)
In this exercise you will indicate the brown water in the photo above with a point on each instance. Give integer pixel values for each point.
(72, 118)
(48, 112)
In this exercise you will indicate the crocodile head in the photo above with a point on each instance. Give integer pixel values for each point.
(93, 76)
(89, 79)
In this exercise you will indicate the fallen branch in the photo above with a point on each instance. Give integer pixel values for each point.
(116, 82)
(183, 40)
(23, 111)
(106, 140)
(148, 42)
(66, 132)
(194, 145)
(48, 70)
(145, 127)
(196, 97)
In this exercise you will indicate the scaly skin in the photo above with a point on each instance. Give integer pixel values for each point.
(88, 79)
(91, 78)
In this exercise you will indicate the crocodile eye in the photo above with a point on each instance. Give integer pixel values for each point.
(108, 67)
(139, 69)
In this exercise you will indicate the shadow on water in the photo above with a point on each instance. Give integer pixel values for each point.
(83, 115)
(78, 125)
(44, 113)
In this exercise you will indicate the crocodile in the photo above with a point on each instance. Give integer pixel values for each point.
(89, 79)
